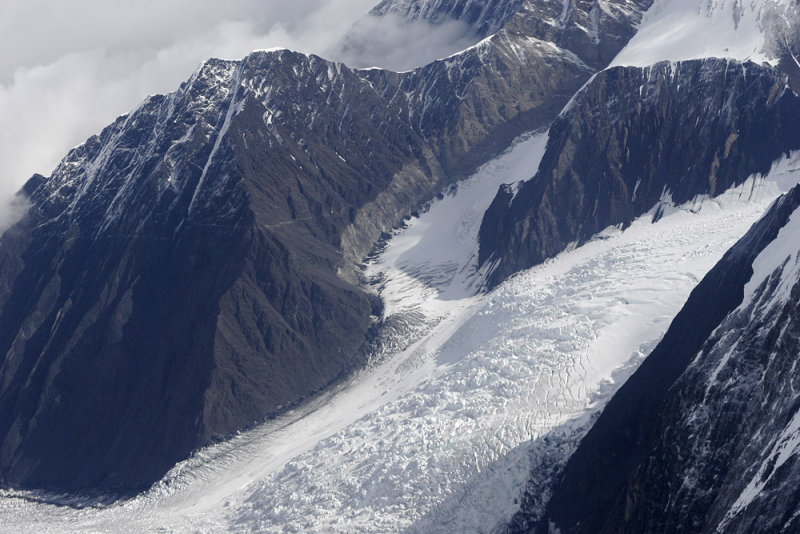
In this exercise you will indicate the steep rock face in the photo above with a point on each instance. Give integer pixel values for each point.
(704, 437)
(635, 137)
(193, 269)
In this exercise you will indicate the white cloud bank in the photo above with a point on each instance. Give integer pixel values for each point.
(393, 42)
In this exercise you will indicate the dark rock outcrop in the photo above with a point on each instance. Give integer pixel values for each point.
(704, 436)
(634, 137)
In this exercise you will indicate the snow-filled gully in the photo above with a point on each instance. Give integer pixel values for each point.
(440, 433)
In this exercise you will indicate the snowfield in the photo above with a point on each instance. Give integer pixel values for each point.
(679, 30)
(466, 390)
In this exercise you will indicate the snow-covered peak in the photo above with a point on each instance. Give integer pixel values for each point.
(676, 30)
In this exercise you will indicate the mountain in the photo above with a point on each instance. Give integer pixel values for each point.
(634, 138)
(198, 269)
(593, 30)
(177, 272)
(703, 437)
(590, 33)
(472, 105)
(194, 269)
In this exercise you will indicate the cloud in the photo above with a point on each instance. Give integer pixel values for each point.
(43, 31)
(393, 42)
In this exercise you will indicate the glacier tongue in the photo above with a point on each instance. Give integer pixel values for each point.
(440, 434)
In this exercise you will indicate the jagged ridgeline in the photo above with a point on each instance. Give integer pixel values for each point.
(193, 269)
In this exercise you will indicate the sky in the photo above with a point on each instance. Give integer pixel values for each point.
(68, 68)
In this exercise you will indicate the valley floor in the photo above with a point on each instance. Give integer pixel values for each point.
(467, 392)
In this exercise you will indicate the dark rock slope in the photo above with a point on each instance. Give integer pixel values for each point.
(705, 437)
(175, 278)
(193, 269)
(634, 137)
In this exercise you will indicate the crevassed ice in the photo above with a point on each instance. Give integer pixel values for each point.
(440, 434)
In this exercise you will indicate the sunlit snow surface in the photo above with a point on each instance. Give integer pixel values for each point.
(678, 30)
(439, 434)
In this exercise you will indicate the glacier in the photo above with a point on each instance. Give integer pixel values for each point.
(468, 390)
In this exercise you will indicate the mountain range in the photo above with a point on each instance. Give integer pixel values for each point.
(205, 268)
